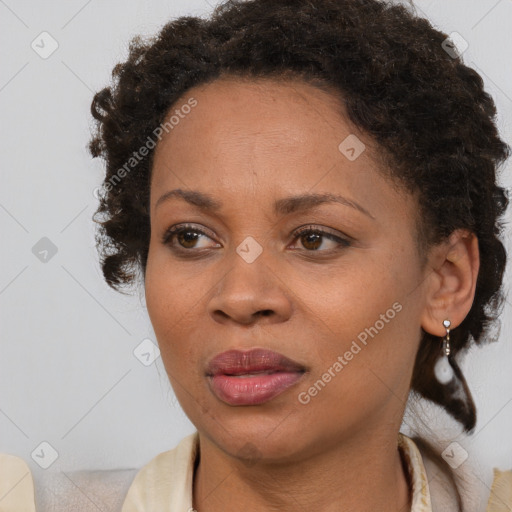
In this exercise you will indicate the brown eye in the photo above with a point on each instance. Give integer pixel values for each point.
(312, 239)
(187, 237)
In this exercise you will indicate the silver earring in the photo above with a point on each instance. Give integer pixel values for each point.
(443, 369)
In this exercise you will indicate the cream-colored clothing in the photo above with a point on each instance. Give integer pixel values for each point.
(165, 483)
(16, 485)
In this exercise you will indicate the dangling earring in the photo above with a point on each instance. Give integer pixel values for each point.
(443, 369)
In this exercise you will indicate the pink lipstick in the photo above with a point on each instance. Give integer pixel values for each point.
(251, 377)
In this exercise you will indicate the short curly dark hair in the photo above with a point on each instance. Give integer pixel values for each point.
(425, 109)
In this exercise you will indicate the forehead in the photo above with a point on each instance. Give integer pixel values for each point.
(249, 143)
(261, 126)
(230, 110)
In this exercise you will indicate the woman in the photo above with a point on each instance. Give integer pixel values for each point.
(307, 190)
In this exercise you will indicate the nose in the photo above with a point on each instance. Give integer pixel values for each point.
(248, 292)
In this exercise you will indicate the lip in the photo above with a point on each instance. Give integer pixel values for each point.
(251, 377)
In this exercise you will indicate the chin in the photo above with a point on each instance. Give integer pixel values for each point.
(253, 435)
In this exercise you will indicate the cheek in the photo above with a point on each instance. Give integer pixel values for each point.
(170, 303)
(358, 381)
(352, 297)
(168, 318)
(366, 314)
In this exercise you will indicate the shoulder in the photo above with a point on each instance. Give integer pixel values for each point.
(500, 498)
(16, 484)
(59, 491)
(479, 489)
(169, 473)
(165, 482)
(84, 490)
(175, 459)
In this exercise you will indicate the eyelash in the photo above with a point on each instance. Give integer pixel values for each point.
(170, 234)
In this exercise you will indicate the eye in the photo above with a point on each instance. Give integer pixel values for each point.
(311, 238)
(186, 235)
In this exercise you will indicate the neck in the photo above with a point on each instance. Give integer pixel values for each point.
(362, 474)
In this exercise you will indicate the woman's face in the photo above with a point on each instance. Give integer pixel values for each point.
(344, 306)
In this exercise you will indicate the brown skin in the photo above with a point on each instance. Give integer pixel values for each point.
(248, 144)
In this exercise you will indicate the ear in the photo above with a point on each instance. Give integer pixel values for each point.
(451, 283)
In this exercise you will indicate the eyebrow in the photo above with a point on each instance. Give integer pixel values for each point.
(284, 206)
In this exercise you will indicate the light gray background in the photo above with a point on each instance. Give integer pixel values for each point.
(68, 375)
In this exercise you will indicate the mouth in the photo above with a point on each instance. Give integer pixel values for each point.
(251, 377)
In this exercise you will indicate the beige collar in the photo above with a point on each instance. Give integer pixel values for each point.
(165, 483)
(417, 474)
